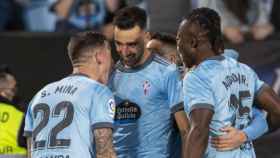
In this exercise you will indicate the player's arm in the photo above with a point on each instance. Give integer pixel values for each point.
(183, 126)
(104, 143)
(29, 147)
(199, 103)
(270, 101)
(174, 92)
(197, 139)
(235, 137)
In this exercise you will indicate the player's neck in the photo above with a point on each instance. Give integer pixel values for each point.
(85, 71)
(203, 56)
(144, 58)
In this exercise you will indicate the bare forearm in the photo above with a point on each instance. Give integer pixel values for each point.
(184, 136)
(184, 127)
(197, 142)
(28, 147)
(104, 143)
(269, 101)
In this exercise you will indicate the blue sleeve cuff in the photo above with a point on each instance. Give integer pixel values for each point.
(257, 128)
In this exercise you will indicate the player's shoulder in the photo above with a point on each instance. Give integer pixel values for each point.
(161, 61)
(163, 65)
(210, 67)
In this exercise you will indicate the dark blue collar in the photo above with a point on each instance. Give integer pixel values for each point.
(120, 66)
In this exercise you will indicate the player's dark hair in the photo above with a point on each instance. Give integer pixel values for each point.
(5, 70)
(80, 43)
(129, 17)
(210, 21)
(164, 37)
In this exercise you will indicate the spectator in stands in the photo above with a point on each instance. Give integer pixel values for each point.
(10, 15)
(165, 15)
(10, 117)
(111, 7)
(37, 16)
(275, 15)
(240, 17)
(78, 15)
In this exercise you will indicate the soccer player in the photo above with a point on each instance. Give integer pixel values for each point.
(165, 46)
(219, 91)
(73, 117)
(146, 90)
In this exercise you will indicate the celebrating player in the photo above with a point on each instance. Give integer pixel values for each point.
(219, 91)
(146, 90)
(66, 117)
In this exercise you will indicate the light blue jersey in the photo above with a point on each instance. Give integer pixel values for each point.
(259, 125)
(228, 88)
(145, 97)
(62, 116)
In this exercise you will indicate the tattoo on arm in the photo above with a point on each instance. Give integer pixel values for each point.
(104, 143)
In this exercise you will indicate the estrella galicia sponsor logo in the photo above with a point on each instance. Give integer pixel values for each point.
(127, 112)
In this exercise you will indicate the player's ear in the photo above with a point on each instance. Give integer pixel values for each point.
(173, 58)
(147, 37)
(194, 42)
(98, 56)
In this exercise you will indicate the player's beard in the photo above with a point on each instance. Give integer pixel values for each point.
(133, 59)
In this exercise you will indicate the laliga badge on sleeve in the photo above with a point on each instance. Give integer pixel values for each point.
(112, 107)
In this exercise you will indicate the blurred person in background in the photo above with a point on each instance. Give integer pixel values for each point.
(165, 15)
(37, 17)
(10, 15)
(241, 17)
(111, 6)
(78, 15)
(275, 15)
(10, 117)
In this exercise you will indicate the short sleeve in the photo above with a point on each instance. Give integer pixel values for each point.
(197, 93)
(28, 128)
(173, 86)
(231, 53)
(259, 84)
(102, 110)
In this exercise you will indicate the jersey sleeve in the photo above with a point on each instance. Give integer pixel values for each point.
(28, 128)
(173, 86)
(231, 53)
(102, 110)
(197, 93)
(258, 125)
(259, 84)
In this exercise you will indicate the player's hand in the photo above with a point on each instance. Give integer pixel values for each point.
(231, 140)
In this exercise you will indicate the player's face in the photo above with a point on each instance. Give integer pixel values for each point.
(184, 44)
(108, 58)
(10, 89)
(130, 45)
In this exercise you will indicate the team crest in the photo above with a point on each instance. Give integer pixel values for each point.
(112, 107)
(146, 87)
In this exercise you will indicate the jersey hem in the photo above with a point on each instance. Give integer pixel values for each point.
(202, 106)
(27, 133)
(177, 107)
(102, 125)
